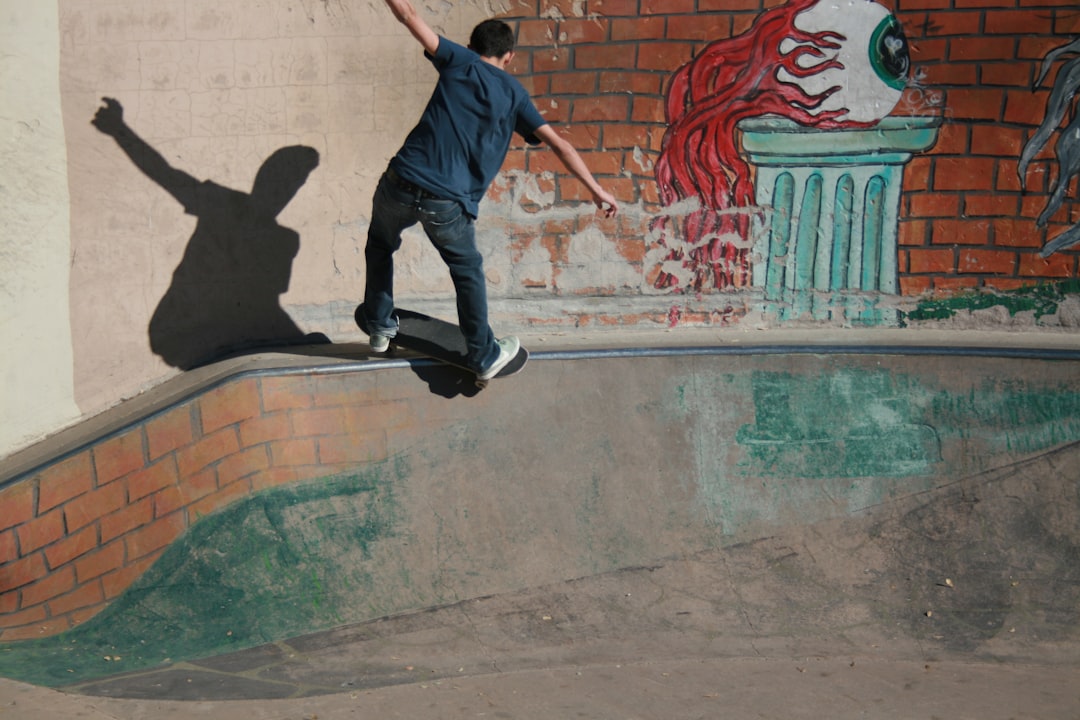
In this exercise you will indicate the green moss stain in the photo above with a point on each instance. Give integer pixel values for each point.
(799, 446)
(846, 424)
(281, 563)
(1040, 300)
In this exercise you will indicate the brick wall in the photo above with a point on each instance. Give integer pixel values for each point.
(602, 67)
(76, 534)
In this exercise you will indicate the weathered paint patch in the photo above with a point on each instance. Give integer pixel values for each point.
(283, 562)
(825, 441)
(1041, 300)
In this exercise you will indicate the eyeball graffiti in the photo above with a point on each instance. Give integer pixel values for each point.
(867, 73)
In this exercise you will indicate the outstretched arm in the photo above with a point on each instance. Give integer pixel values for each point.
(408, 16)
(110, 120)
(572, 161)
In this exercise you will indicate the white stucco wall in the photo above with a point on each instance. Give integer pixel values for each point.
(35, 330)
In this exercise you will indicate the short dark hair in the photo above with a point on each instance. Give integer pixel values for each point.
(492, 39)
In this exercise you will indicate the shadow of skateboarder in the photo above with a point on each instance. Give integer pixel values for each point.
(225, 293)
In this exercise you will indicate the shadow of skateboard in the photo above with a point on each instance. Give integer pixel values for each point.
(439, 340)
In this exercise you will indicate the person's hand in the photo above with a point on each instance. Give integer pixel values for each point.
(605, 201)
(110, 117)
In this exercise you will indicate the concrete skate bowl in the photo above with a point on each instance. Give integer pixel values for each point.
(287, 529)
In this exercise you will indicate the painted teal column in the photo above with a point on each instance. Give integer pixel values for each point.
(828, 245)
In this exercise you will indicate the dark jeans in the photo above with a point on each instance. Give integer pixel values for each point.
(451, 231)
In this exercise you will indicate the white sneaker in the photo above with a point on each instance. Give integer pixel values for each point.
(508, 349)
(379, 343)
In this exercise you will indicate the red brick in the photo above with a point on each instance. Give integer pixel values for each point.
(535, 33)
(169, 432)
(612, 8)
(582, 30)
(16, 504)
(41, 531)
(127, 519)
(63, 481)
(605, 56)
(574, 84)
(964, 174)
(72, 547)
(286, 393)
(666, 7)
(552, 60)
(274, 477)
(93, 506)
(960, 232)
(910, 286)
(996, 140)
(934, 205)
(1055, 266)
(115, 583)
(242, 464)
(22, 572)
(1036, 47)
(207, 451)
(222, 498)
(229, 404)
(168, 501)
(944, 286)
(1017, 22)
(602, 108)
(81, 597)
(198, 485)
(981, 48)
(954, 23)
(154, 536)
(158, 476)
(945, 74)
(667, 56)
(976, 104)
(639, 83)
(991, 205)
(910, 5)
(9, 603)
(291, 453)
(995, 262)
(323, 421)
(16, 623)
(697, 27)
(1024, 108)
(265, 428)
(646, 28)
(1012, 74)
(648, 110)
(119, 456)
(52, 585)
(9, 550)
(1009, 232)
(931, 261)
(725, 5)
(105, 560)
(78, 617)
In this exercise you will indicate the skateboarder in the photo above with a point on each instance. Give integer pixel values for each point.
(440, 174)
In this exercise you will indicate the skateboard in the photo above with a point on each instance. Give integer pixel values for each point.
(439, 340)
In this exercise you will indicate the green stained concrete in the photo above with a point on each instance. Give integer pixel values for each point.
(281, 563)
(1040, 300)
(843, 438)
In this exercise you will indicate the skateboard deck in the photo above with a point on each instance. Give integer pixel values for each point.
(439, 340)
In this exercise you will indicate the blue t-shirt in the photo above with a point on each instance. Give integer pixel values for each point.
(461, 140)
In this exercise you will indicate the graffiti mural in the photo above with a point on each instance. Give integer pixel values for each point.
(808, 69)
(1062, 99)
